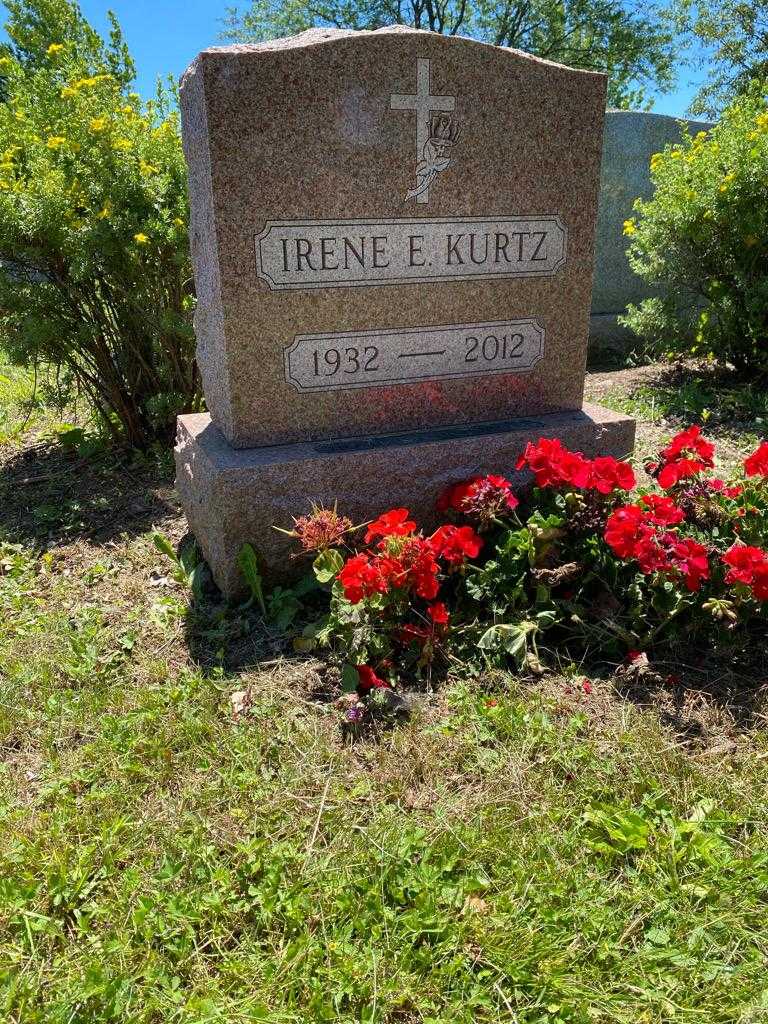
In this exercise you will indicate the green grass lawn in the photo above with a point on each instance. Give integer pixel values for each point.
(520, 851)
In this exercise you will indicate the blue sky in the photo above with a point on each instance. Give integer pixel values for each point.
(165, 35)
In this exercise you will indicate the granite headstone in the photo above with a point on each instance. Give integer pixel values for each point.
(393, 236)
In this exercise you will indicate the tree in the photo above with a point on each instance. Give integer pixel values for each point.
(734, 36)
(95, 276)
(620, 39)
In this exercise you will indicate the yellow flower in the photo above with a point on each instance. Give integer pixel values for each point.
(656, 160)
(98, 124)
(4, 184)
(20, 115)
(751, 240)
(676, 154)
(5, 62)
(55, 141)
(68, 92)
(630, 227)
(140, 238)
(86, 83)
(753, 135)
(146, 168)
(701, 135)
(54, 48)
(729, 177)
(762, 121)
(122, 143)
(178, 222)
(105, 211)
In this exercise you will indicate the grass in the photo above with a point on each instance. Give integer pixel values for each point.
(518, 852)
(697, 394)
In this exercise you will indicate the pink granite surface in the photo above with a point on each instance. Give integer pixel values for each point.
(304, 130)
(232, 497)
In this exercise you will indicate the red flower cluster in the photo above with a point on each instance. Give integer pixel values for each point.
(686, 455)
(455, 544)
(748, 565)
(406, 561)
(484, 496)
(394, 523)
(642, 533)
(553, 465)
(719, 487)
(757, 463)
(661, 510)
(368, 680)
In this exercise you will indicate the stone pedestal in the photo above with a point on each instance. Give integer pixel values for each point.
(233, 496)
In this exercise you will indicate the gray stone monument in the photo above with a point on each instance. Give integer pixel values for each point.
(630, 139)
(392, 235)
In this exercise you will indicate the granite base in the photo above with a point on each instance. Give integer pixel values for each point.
(233, 496)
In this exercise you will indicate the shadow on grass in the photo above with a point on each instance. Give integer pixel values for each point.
(713, 396)
(51, 495)
(703, 695)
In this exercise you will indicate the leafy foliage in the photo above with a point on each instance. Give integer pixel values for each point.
(704, 236)
(617, 38)
(576, 568)
(734, 38)
(94, 267)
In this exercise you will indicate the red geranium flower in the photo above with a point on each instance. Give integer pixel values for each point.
(368, 680)
(674, 472)
(483, 496)
(689, 442)
(455, 543)
(453, 496)
(409, 633)
(412, 566)
(607, 475)
(661, 510)
(744, 561)
(394, 523)
(438, 613)
(625, 528)
(757, 463)
(719, 487)
(553, 465)
(691, 559)
(361, 577)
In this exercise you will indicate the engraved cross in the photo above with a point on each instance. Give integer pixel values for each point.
(423, 104)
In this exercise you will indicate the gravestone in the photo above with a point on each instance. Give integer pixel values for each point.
(392, 235)
(630, 139)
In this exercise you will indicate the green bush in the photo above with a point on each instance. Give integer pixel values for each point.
(95, 276)
(703, 236)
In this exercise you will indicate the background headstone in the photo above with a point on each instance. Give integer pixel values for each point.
(629, 141)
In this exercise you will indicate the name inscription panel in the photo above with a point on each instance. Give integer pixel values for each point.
(363, 359)
(353, 253)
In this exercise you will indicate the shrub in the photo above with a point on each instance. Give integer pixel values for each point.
(576, 567)
(95, 275)
(704, 236)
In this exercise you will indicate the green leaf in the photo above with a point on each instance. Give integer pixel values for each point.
(328, 565)
(165, 547)
(248, 564)
(349, 678)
